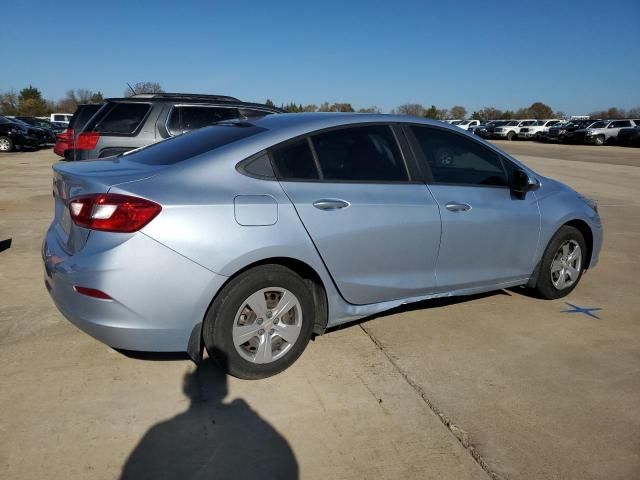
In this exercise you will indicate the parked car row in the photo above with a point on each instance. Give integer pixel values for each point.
(584, 131)
(26, 133)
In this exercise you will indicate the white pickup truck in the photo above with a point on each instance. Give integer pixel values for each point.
(468, 124)
(512, 129)
(540, 127)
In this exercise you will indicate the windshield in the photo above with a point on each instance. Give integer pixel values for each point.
(19, 122)
(466, 122)
(598, 125)
(192, 144)
(514, 123)
(455, 122)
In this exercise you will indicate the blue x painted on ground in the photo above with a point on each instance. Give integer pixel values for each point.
(585, 310)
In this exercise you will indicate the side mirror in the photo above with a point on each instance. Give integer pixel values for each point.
(521, 182)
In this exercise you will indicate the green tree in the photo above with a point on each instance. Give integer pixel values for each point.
(412, 109)
(144, 87)
(507, 115)
(96, 98)
(341, 107)
(489, 113)
(431, 112)
(31, 103)
(540, 110)
(372, 109)
(458, 111)
(269, 103)
(9, 104)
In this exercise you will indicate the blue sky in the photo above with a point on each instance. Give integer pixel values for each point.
(577, 56)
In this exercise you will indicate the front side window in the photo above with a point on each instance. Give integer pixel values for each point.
(455, 159)
(620, 124)
(186, 118)
(361, 154)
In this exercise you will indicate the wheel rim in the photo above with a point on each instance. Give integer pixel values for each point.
(445, 157)
(267, 325)
(4, 144)
(566, 265)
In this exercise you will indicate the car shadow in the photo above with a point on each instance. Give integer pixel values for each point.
(426, 305)
(212, 438)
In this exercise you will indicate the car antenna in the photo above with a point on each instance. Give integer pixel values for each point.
(134, 92)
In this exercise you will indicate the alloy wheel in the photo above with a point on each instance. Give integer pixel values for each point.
(5, 145)
(566, 265)
(267, 325)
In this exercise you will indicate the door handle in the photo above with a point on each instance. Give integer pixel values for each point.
(458, 207)
(330, 204)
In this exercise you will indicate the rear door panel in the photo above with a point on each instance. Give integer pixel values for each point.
(383, 246)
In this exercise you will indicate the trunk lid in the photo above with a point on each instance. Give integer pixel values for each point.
(81, 178)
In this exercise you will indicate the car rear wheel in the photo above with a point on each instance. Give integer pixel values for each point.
(598, 140)
(260, 322)
(6, 144)
(562, 264)
(510, 136)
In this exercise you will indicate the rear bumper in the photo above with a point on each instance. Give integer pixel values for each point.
(158, 296)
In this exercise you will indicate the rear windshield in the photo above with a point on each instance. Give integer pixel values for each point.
(123, 118)
(183, 147)
(82, 116)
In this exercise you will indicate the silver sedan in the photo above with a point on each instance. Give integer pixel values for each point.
(249, 237)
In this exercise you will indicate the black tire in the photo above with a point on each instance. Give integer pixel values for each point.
(598, 140)
(6, 144)
(217, 332)
(511, 136)
(544, 285)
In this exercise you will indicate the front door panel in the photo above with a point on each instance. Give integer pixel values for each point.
(493, 241)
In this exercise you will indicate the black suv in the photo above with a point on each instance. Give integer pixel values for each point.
(123, 124)
(15, 134)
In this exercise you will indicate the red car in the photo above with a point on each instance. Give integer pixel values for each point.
(65, 142)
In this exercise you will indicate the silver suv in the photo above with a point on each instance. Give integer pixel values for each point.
(602, 132)
(124, 124)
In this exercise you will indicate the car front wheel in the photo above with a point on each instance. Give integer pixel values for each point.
(562, 264)
(260, 322)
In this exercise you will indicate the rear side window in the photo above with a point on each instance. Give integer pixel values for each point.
(360, 154)
(294, 161)
(454, 159)
(123, 119)
(187, 118)
(183, 147)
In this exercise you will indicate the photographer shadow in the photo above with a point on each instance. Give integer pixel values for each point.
(211, 439)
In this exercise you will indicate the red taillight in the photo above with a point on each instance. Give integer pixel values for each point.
(92, 292)
(87, 140)
(65, 136)
(111, 212)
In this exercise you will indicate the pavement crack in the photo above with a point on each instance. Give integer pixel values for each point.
(459, 433)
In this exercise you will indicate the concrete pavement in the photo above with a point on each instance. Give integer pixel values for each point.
(499, 385)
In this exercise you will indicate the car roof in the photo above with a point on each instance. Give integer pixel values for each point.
(290, 125)
(193, 98)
